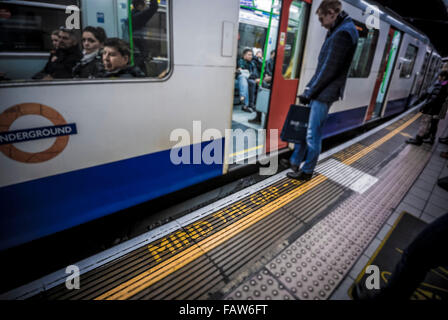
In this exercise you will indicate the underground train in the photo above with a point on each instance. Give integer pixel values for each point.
(75, 150)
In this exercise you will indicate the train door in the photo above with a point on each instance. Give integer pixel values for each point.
(423, 73)
(378, 99)
(290, 49)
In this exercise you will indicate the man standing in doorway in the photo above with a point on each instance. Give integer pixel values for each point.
(327, 84)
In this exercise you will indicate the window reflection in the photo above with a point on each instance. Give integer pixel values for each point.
(34, 45)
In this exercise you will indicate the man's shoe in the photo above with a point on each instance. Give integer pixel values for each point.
(417, 142)
(443, 140)
(287, 164)
(300, 175)
(429, 140)
(256, 120)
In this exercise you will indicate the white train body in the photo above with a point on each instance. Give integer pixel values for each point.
(120, 155)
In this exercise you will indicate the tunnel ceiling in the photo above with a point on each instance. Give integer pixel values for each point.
(430, 16)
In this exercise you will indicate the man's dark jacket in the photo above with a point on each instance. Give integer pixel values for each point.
(89, 69)
(251, 66)
(62, 68)
(335, 59)
(139, 21)
(128, 72)
(436, 97)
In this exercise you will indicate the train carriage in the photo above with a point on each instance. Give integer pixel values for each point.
(76, 150)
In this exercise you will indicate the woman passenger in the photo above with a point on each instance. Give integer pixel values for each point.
(90, 65)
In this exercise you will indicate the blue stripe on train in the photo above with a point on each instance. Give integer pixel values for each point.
(350, 119)
(345, 120)
(42, 207)
(396, 106)
(45, 206)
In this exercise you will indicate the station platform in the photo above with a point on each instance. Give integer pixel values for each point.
(279, 239)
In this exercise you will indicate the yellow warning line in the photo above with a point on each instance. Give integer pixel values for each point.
(247, 150)
(165, 268)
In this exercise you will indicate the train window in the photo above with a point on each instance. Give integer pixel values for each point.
(295, 40)
(44, 40)
(365, 51)
(409, 61)
(251, 36)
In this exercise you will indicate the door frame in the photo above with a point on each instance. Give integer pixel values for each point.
(382, 73)
(279, 102)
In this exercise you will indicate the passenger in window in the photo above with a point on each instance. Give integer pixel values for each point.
(141, 14)
(116, 60)
(66, 57)
(90, 65)
(55, 40)
(248, 79)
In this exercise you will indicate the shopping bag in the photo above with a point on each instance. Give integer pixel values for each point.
(263, 100)
(296, 124)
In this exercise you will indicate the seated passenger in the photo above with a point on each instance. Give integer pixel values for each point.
(116, 60)
(67, 55)
(55, 43)
(55, 39)
(248, 79)
(267, 81)
(90, 65)
(258, 60)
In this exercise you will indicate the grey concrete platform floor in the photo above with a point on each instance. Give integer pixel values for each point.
(425, 200)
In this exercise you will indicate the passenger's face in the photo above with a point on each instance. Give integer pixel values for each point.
(90, 43)
(141, 7)
(327, 20)
(113, 59)
(55, 41)
(248, 56)
(66, 41)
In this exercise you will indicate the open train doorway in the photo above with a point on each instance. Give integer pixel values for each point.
(257, 42)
